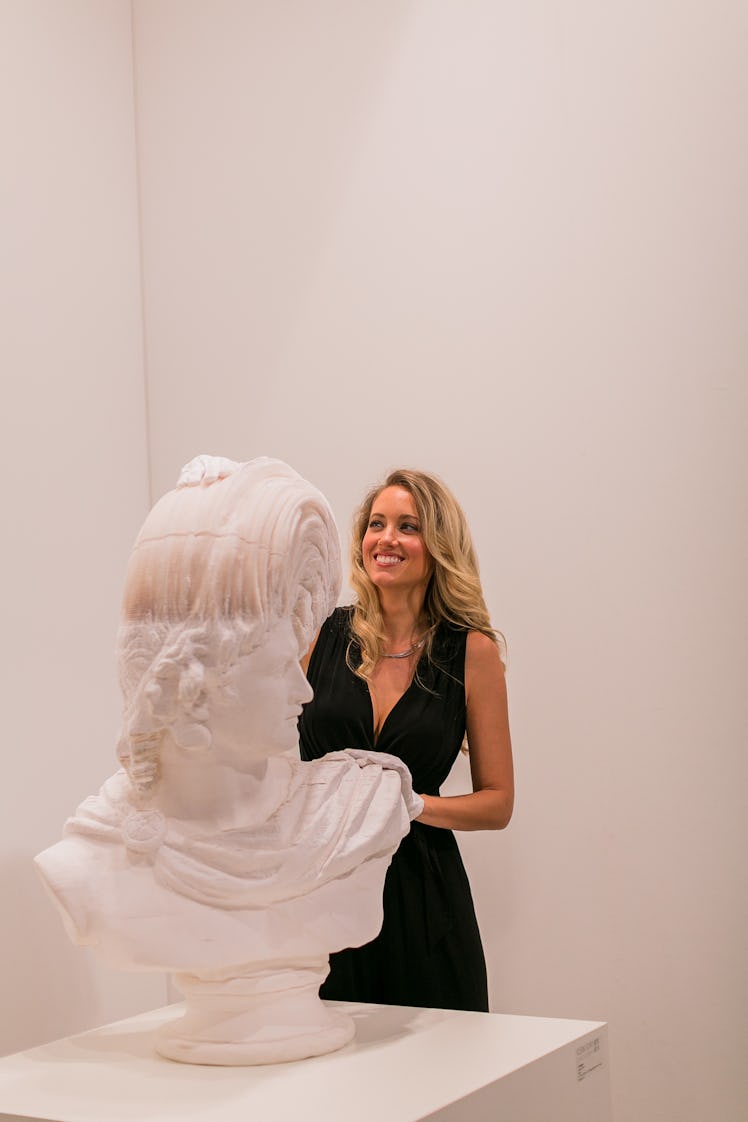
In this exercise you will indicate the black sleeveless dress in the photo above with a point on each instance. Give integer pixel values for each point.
(428, 952)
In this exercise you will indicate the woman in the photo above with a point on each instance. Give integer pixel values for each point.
(409, 670)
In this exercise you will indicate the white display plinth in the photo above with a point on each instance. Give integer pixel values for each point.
(405, 1065)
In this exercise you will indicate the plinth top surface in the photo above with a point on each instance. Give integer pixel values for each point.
(403, 1064)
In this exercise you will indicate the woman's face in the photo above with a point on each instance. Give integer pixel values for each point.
(261, 698)
(393, 549)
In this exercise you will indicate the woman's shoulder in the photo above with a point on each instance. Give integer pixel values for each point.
(448, 649)
(449, 634)
(334, 630)
(482, 652)
(339, 622)
(453, 640)
(480, 643)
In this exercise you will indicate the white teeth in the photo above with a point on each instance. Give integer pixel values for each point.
(388, 559)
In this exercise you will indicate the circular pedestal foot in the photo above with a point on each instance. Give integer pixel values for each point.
(268, 1017)
(282, 1049)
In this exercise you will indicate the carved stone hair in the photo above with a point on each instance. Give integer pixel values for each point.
(213, 568)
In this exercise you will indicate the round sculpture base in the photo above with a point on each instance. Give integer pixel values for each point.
(264, 1017)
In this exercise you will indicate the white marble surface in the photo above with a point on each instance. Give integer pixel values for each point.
(404, 1065)
(215, 854)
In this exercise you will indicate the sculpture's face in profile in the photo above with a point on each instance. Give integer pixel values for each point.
(260, 699)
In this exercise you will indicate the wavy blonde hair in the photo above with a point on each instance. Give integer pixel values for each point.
(454, 593)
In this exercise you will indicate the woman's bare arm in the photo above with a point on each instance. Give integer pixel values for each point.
(490, 805)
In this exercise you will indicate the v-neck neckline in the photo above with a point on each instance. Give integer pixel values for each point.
(377, 736)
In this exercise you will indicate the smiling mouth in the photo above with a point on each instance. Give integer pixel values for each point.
(387, 559)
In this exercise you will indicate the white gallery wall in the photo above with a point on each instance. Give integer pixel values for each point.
(75, 472)
(503, 241)
(506, 242)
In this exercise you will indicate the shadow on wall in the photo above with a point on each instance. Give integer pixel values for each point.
(64, 990)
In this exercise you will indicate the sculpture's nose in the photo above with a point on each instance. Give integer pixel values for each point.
(301, 691)
(306, 691)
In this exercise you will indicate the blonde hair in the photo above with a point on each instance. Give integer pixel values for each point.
(454, 593)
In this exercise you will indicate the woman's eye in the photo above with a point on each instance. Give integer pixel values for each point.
(410, 527)
(375, 524)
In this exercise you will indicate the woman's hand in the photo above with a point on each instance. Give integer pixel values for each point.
(490, 805)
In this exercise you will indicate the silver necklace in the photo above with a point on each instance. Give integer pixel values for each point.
(410, 650)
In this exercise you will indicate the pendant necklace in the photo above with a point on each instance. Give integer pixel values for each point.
(411, 650)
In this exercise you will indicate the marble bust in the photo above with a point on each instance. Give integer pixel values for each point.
(215, 853)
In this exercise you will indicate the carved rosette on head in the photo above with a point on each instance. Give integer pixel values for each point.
(219, 560)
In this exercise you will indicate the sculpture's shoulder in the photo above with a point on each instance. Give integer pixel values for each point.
(348, 806)
(335, 771)
(376, 776)
(90, 851)
(70, 871)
